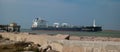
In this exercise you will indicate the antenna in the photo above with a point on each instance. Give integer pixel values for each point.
(41, 18)
(94, 23)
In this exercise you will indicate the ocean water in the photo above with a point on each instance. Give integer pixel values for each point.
(105, 33)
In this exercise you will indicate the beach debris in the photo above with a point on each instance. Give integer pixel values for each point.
(32, 33)
(61, 36)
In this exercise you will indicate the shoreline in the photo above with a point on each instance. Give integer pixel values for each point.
(114, 34)
(72, 37)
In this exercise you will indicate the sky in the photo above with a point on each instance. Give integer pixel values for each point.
(76, 12)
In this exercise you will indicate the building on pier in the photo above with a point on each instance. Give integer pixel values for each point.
(13, 27)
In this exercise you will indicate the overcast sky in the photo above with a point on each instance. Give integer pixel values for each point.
(76, 12)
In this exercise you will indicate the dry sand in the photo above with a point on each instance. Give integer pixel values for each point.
(75, 44)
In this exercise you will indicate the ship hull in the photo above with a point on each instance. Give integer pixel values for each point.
(89, 29)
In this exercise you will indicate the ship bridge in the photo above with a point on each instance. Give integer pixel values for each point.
(39, 23)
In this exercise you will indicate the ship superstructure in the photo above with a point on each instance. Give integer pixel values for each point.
(40, 24)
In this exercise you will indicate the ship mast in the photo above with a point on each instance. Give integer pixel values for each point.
(94, 23)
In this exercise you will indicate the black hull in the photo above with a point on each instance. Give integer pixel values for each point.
(88, 29)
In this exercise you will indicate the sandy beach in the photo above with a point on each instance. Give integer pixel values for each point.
(67, 43)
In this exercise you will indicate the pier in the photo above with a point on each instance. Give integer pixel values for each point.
(13, 27)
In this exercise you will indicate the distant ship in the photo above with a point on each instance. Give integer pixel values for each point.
(40, 24)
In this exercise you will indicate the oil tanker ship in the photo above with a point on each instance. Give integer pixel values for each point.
(40, 24)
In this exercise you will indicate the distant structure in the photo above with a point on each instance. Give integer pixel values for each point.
(13, 27)
(40, 24)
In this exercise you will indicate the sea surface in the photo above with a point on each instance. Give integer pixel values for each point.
(105, 33)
